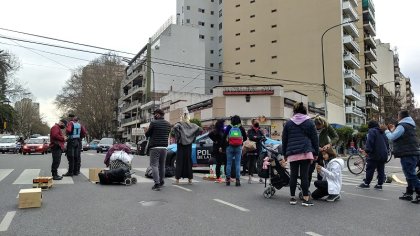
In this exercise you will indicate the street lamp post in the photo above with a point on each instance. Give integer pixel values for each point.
(324, 84)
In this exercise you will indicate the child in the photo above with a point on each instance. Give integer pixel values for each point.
(331, 177)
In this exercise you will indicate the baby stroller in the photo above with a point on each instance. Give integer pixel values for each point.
(272, 169)
(120, 158)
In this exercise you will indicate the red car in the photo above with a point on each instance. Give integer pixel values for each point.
(35, 145)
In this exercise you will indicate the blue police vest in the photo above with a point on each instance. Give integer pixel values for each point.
(76, 130)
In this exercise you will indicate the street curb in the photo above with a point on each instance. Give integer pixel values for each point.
(394, 177)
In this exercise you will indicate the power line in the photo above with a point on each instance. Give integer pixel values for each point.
(65, 41)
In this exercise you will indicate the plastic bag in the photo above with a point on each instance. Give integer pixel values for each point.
(122, 156)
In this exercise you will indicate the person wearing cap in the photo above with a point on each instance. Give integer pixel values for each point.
(57, 147)
(158, 134)
(76, 132)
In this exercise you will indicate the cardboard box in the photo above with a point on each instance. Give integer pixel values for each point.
(93, 174)
(29, 198)
(42, 182)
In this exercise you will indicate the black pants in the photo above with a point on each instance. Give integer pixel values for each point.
(300, 168)
(220, 160)
(321, 189)
(56, 159)
(252, 160)
(73, 155)
(312, 169)
(371, 166)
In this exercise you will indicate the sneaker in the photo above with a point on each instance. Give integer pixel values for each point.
(407, 197)
(156, 187)
(68, 174)
(238, 183)
(57, 177)
(161, 183)
(364, 186)
(227, 182)
(219, 180)
(378, 187)
(333, 197)
(307, 203)
(293, 201)
(416, 200)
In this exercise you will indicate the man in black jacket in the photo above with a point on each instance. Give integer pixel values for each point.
(158, 134)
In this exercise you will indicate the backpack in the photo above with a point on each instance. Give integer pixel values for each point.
(149, 172)
(235, 136)
(113, 176)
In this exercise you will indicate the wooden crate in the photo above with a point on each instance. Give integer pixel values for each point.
(42, 182)
(93, 174)
(29, 198)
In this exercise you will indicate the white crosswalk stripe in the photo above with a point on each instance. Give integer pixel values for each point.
(4, 173)
(27, 176)
(65, 180)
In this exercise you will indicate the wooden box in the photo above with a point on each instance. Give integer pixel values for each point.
(93, 174)
(29, 198)
(42, 182)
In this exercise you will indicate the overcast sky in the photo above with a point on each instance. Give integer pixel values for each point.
(126, 25)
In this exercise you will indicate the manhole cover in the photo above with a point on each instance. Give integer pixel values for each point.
(153, 203)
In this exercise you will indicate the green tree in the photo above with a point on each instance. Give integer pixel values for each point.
(345, 134)
(196, 121)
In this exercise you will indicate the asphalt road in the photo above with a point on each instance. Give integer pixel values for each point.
(79, 207)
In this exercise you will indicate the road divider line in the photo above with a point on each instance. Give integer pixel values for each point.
(7, 220)
(4, 173)
(27, 176)
(359, 195)
(180, 187)
(312, 234)
(231, 205)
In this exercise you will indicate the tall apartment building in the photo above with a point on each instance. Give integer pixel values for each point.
(207, 16)
(278, 42)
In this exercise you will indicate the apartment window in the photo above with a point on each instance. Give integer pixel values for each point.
(274, 41)
(212, 0)
(252, 45)
(252, 1)
(237, 34)
(237, 20)
(237, 77)
(252, 31)
(220, 54)
(188, 21)
(212, 65)
(188, 8)
(238, 5)
(252, 61)
(211, 12)
(201, 36)
(220, 26)
(201, 23)
(274, 73)
(211, 25)
(220, 63)
(220, 13)
(201, 10)
(220, 2)
(211, 77)
(238, 63)
(220, 79)
(274, 10)
(237, 49)
(252, 16)
(220, 39)
(212, 38)
(211, 91)
(273, 57)
(211, 51)
(274, 26)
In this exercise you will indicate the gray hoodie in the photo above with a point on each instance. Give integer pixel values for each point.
(185, 133)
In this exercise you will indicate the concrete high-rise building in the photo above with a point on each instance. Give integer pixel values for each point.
(279, 42)
(207, 16)
(385, 65)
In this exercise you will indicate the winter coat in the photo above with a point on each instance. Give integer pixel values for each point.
(185, 133)
(218, 141)
(332, 174)
(256, 135)
(377, 145)
(158, 133)
(405, 139)
(57, 137)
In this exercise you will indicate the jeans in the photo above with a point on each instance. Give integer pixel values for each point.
(321, 189)
(371, 165)
(409, 165)
(73, 155)
(299, 167)
(56, 159)
(233, 153)
(157, 162)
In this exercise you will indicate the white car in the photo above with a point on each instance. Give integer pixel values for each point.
(9, 144)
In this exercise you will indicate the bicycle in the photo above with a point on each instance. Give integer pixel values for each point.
(356, 163)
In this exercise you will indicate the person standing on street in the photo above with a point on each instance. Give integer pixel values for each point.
(256, 135)
(377, 147)
(300, 148)
(185, 134)
(406, 147)
(158, 134)
(219, 147)
(57, 147)
(75, 132)
(235, 135)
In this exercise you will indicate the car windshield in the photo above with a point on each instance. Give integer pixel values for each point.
(35, 141)
(107, 141)
(7, 140)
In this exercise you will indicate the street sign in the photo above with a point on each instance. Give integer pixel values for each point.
(137, 131)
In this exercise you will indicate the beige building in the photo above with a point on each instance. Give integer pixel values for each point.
(279, 42)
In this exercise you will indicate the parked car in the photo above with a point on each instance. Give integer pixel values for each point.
(202, 149)
(9, 143)
(35, 145)
(93, 145)
(85, 145)
(105, 144)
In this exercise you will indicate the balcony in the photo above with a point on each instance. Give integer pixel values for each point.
(373, 81)
(349, 10)
(130, 106)
(396, 72)
(349, 42)
(367, 25)
(351, 60)
(353, 110)
(369, 14)
(371, 67)
(130, 121)
(350, 28)
(373, 106)
(352, 77)
(370, 54)
(352, 94)
(353, 2)
(372, 93)
(370, 41)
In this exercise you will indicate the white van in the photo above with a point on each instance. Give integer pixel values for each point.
(9, 143)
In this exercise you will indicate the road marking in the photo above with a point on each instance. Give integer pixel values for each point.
(141, 169)
(184, 181)
(65, 180)
(4, 173)
(180, 187)
(231, 205)
(312, 234)
(27, 176)
(359, 195)
(395, 167)
(141, 179)
(85, 172)
(394, 177)
(5, 223)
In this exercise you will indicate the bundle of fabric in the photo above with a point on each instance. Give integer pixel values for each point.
(122, 156)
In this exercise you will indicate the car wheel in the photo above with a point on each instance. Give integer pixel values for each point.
(97, 151)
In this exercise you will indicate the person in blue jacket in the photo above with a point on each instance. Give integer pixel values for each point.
(377, 147)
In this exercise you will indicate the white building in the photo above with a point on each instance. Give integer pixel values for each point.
(208, 17)
(385, 65)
